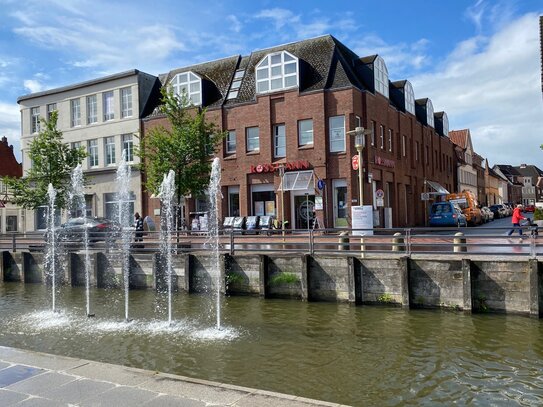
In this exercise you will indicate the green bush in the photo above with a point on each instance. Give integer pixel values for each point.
(538, 214)
(284, 278)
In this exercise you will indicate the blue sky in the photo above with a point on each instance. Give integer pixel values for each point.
(477, 60)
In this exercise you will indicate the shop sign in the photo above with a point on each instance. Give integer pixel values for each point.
(272, 167)
(385, 162)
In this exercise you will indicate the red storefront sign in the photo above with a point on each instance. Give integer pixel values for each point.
(385, 162)
(272, 167)
(354, 162)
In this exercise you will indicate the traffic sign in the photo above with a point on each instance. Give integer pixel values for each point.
(321, 184)
(354, 162)
(379, 193)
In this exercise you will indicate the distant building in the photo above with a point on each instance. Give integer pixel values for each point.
(10, 215)
(532, 180)
(467, 173)
(514, 185)
(103, 116)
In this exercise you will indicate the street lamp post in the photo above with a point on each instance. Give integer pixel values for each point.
(359, 134)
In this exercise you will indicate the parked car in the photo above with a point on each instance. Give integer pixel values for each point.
(488, 214)
(446, 214)
(529, 208)
(497, 211)
(99, 229)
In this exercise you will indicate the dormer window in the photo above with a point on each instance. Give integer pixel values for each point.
(190, 84)
(381, 76)
(277, 71)
(445, 125)
(429, 113)
(409, 98)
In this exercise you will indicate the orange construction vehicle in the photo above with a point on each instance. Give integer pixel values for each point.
(469, 205)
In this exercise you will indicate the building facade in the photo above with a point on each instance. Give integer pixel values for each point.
(467, 174)
(531, 178)
(514, 186)
(102, 115)
(288, 111)
(11, 217)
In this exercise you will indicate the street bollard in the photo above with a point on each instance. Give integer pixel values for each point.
(398, 243)
(343, 243)
(459, 243)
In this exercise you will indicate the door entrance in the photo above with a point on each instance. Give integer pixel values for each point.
(304, 207)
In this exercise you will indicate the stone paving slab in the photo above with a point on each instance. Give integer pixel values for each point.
(43, 380)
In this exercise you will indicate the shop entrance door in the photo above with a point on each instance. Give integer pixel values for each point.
(304, 207)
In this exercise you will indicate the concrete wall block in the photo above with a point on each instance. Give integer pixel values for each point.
(12, 266)
(203, 273)
(243, 274)
(436, 283)
(291, 265)
(328, 279)
(381, 281)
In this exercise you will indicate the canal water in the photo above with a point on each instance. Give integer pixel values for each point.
(357, 355)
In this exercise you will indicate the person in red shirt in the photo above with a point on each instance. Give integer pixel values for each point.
(515, 219)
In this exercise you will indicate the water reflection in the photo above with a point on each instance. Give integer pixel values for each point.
(334, 352)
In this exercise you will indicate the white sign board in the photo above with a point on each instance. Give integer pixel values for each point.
(425, 196)
(362, 218)
(380, 201)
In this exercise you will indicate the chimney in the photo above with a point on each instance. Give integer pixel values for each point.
(522, 165)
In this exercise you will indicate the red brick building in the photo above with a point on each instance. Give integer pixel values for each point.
(289, 108)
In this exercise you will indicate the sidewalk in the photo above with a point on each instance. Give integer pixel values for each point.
(36, 379)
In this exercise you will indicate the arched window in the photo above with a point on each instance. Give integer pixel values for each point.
(189, 83)
(381, 76)
(277, 71)
(409, 98)
(429, 113)
(445, 125)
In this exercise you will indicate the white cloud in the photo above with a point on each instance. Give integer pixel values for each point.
(491, 85)
(33, 85)
(399, 58)
(235, 24)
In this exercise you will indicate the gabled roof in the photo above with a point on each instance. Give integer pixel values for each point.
(529, 171)
(8, 164)
(508, 170)
(460, 137)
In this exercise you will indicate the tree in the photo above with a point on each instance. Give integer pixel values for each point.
(185, 147)
(52, 163)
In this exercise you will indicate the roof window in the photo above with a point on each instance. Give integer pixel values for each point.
(276, 72)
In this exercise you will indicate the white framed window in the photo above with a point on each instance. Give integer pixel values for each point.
(76, 145)
(337, 133)
(126, 102)
(51, 107)
(231, 142)
(277, 71)
(416, 151)
(382, 137)
(381, 76)
(190, 84)
(305, 132)
(93, 153)
(373, 126)
(409, 96)
(253, 139)
(75, 109)
(92, 109)
(429, 113)
(35, 119)
(279, 141)
(390, 140)
(108, 105)
(404, 144)
(111, 207)
(445, 124)
(128, 147)
(109, 147)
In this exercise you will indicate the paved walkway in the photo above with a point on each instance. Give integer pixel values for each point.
(42, 380)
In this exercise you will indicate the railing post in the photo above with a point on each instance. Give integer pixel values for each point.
(232, 242)
(459, 243)
(311, 242)
(13, 243)
(533, 246)
(408, 237)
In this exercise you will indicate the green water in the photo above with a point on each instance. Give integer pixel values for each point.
(335, 352)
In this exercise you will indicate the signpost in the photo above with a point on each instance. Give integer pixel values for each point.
(354, 162)
(362, 218)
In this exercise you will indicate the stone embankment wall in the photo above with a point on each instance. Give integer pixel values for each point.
(482, 285)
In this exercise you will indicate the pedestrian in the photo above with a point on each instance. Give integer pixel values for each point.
(138, 224)
(515, 219)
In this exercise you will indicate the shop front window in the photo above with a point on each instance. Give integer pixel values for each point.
(340, 203)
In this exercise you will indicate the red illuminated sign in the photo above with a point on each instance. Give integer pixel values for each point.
(385, 162)
(272, 167)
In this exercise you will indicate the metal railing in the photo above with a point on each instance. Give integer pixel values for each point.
(408, 241)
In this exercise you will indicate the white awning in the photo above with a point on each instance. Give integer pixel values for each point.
(439, 190)
(296, 181)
